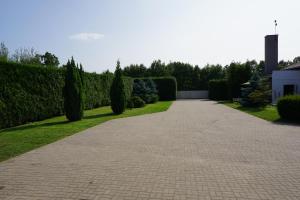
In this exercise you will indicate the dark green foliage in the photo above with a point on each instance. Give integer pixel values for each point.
(128, 86)
(29, 93)
(152, 98)
(262, 95)
(289, 107)
(209, 72)
(117, 92)
(145, 89)
(257, 92)
(237, 74)
(137, 102)
(73, 93)
(97, 89)
(135, 71)
(158, 69)
(49, 60)
(217, 89)
(167, 88)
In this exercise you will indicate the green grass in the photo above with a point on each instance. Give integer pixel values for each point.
(267, 113)
(17, 140)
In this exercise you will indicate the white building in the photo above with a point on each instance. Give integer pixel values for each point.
(285, 82)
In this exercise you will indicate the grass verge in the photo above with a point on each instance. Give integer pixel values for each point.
(17, 140)
(268, 113)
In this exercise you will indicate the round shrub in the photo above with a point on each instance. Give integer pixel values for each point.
(129, 103)
(137, 102)
(152, 98)
(289, 107)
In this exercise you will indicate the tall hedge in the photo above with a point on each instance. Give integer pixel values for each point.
(31, 93)
(73, 92)
(97, 88)
(218, 90)
(167, 88)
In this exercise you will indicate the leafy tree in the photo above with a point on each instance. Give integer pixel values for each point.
(27, 56)
(158, 68)
(49, 59)
(210, 72)
(117, 92)
(283, 64)
(3, 52)
(296, 59)
(183, 72)
(135, 71)
(73, 92)
(237, 74)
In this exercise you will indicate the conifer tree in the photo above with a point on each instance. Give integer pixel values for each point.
(73, 92)
(117, 92)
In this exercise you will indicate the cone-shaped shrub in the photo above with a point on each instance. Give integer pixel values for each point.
(73, 94)
(117, 92)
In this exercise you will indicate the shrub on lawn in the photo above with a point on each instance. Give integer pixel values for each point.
(217, 89)
(73, 93)
(289, 107)
(145, 89)
(137, 102)
(117, 92)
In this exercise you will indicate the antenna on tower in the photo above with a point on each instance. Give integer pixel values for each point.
(275, 23)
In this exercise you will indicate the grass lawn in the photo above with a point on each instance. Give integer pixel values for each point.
(267, 113)
(17, 140)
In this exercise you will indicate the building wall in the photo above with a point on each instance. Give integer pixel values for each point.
(197, 94)
(281, 78)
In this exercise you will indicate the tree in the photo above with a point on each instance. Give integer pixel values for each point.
(296, 59)
(135, 71)
(49, 59)
(3, 52)
(183, 72)
(158, 68)
(27, 56)
(210, 72)
(73, 92)
(117, 92)
(237, 74)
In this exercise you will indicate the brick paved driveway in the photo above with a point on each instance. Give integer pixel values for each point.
(195, 150)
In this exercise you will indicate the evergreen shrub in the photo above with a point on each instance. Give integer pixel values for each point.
(288, 107)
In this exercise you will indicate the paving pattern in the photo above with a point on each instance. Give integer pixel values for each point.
(195, 150)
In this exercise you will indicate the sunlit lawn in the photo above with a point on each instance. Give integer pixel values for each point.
(18, 140)
(267, 113)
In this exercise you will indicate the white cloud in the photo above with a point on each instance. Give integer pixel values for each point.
(86, 36)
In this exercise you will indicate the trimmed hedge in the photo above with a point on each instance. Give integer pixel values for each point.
(288, 107)
(217, 89)
(97, 88)
(31, 93)
(167, 88)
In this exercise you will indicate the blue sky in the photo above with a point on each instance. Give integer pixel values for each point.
(98, 32)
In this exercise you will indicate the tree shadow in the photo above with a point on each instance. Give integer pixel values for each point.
(29, 126)
(98, 116)
(286, 122)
